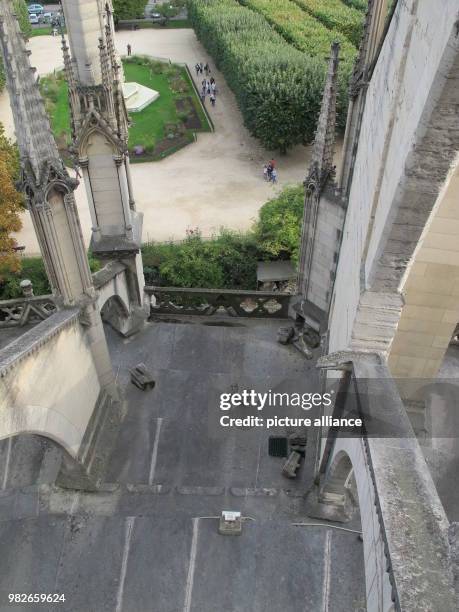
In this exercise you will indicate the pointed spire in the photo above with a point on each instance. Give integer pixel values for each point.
(323, 151)
(371, 37)
(33, 132)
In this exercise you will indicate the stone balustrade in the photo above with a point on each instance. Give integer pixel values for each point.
(26, 310)
(205, 302)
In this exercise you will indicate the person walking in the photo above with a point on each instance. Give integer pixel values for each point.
(197, 68)
(201, 67)
(269, 169)
(212, 99)
(274, 175)
(213, 87)
(129, 50)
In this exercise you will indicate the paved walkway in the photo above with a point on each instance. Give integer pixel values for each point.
(212, 183)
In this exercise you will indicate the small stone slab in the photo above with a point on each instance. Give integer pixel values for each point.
(291, 465)
(141, 377)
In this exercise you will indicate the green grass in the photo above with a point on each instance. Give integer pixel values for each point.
(150, 126)
(44, 31)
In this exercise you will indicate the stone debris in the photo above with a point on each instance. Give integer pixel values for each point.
(292, 464)
(297, 442)
(141, 377)
(285, 334)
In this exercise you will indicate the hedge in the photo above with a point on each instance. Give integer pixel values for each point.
(301, 29)
(278, 88)
(360, 5)
(336, 16)
(226, 261)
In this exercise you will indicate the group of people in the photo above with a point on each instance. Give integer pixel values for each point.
(208, 85)
(270, 171)
(200, 68)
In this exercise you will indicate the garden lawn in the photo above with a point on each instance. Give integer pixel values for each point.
(148, 127)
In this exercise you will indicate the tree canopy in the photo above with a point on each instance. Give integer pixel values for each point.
(129, 9)
(11, 205)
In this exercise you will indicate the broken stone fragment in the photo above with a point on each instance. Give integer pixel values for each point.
(141, 377)
(291, 465)
(285, 334)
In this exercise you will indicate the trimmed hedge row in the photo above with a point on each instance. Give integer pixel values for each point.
(336, 16)
(278, 88)
(360, 5)
(301, 29)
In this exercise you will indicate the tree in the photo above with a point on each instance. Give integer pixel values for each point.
(11, 205)
(278, 229)
(20, 8)
(129, 9)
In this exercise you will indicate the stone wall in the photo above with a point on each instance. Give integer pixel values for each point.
(402, 93)
(431, 293)
(49, 383)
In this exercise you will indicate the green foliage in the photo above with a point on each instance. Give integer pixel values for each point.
(226, 261)
(20, 8)
(129, 9)
(335, 15)
(33, 269)
(301, 29)
(229, 259)
(278, 88)
(360, 5)
(278, 230)
(148, 127)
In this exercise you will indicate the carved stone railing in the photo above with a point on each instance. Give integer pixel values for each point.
(26, 311)
(205, 302)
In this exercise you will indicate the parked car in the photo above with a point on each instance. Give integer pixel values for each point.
(33, 19)
(46, 17)
(36, 9)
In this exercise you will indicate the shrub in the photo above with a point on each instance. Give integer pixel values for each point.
(278, 230)
(335, 15)
(278, 88)
(226, 261)
(360, 5)
(33, 269)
